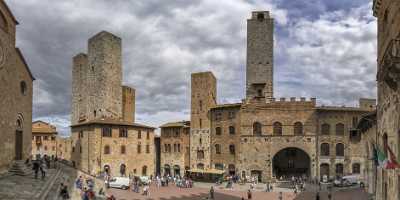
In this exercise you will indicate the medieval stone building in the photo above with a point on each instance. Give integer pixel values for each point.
(44, 139)
(271, 138)
(388, 77)
(175, 152)
(16, 95)
(105, 137)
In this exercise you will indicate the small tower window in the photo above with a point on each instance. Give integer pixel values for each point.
(260, 16)
(23, 87)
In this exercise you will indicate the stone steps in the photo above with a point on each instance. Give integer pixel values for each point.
(19, 168)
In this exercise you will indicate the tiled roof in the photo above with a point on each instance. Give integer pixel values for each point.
(176, 124)
(112, 122)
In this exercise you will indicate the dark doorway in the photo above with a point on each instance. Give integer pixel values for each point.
(167, 170)
(324, 172)
(177, 170)
(107, 169)
(291, 162)
(18, 145)
(122, 169)
(257, 173)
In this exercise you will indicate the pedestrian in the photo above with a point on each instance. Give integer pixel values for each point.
(329, 195)
(43, 170)
(146, 190)
(111, 197)
(64, 191)
(78, 183)
(249, 195)
(212, 192)
(317, 196)
(36, 168)
(84, 194)
(280, 197)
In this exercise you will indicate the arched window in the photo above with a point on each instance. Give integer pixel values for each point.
(325, 129)
(218, 131)
(298, 128)
(232, 149)
(324, 149)
(144, 170)
(107, 149)
(339, 169)
(356, 168)
(277, 128)
(231, 130)
(169, 148)
(123, 149)
(122, 169)
(200, 154)
(324, 170)
(257, 128)
(218, 149)
(339, 149)
(339, 129)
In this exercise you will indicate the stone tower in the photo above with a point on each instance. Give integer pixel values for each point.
(128, 104)
(97, 79)
(259, 63)
(79, 81)
(204, 96)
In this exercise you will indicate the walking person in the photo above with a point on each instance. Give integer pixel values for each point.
(212, 192)
(36, 168)
(64, 191)
(43, 170)
(317, 196)
(280, 197)
(249, 195)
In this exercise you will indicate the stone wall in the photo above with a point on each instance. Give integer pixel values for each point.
(259, 64)
(128, 104)
(204, 96)
(388, 110)
(90, 156)
(16, 93)
(175, 150)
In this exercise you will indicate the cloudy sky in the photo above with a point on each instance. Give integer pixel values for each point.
(323, 48)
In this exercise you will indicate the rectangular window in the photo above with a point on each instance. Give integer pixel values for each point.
(53, 138)
(218, 116)
(200, 123)
(80, 134)
(38, 138)
(106, 131)
(148, 135)
(45, 138)
(123, 132)
(231, 115)
(139, 135)
(139, 148)
(147, 148)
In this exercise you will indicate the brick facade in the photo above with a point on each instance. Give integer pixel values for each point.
(44, 139)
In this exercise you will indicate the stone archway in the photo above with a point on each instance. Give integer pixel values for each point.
(290, 162)
(107, 169)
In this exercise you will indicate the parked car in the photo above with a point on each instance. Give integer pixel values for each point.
(119, 182)
(348, 181)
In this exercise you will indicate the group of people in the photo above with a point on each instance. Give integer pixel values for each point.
(41, 164)
(86, 186)
(181, 182)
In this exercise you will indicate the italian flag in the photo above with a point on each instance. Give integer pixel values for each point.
(381, 158)
(392, 162)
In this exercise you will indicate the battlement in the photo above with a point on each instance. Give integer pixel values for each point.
(260, 15)
(292, 100)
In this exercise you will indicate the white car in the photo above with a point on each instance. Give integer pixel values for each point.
(348, 181)
(145, 180)
(119, 182)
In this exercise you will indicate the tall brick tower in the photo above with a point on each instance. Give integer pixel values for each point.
(97, 80)
(259, 64)
(128, 104)
(204, 96)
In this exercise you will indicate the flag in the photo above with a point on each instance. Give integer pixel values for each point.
(382, 159)
(392, 162)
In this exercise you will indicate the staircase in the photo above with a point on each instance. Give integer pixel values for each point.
(19, 168)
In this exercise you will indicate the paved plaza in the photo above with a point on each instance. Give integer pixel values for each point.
(199, 193)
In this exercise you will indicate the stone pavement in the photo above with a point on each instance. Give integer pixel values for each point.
(201, 191)
(25, 187)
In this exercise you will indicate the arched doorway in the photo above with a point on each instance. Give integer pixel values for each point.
(290, 162)
(231, 169)
(324, 172)
(167, 170)
(177, 170)
(107, 169)
(19, 139)
(122, 169)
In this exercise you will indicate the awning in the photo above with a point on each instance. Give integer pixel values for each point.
(208, 171)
